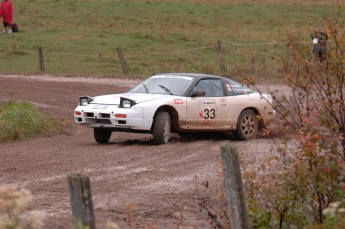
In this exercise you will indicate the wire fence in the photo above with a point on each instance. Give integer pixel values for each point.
(213, 59)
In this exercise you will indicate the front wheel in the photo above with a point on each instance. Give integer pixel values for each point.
(101, 136)
(247, 126)
(161, 128)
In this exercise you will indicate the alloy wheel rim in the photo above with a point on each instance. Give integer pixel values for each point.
(248, 125)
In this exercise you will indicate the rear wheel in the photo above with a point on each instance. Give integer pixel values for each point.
(101, 136)
(161, 128)
(247, 126)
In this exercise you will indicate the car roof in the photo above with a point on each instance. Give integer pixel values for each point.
(194, 75)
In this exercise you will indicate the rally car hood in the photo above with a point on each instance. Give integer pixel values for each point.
(114, 99)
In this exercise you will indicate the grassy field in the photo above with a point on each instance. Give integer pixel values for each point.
(80, 37)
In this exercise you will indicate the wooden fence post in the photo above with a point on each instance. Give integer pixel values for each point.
(234, 188)
(81, 201)
(220, 58)
(41, 60)
(122, 61)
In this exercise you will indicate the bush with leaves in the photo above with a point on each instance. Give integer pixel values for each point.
(308, 173)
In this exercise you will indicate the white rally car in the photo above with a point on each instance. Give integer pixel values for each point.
(177, 103)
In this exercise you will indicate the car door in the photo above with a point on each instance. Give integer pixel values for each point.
(238, 99)
(207, 112)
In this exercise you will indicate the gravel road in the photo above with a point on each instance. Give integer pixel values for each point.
(129, 176)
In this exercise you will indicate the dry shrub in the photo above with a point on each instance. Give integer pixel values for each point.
(13, 204)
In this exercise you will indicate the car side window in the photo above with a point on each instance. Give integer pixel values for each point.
(212, 87)
(233, 88)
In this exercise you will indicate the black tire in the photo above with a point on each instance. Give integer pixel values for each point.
(161, 128)
(247, 126)
(101, 136)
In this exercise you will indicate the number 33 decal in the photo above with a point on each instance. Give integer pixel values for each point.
(209, 114)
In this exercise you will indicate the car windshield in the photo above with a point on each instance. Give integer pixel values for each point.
(164, 84)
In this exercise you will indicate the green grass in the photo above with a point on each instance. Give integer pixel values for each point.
(80, 37)
(20, 120)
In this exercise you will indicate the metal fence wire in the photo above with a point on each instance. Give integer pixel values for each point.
(212, 59)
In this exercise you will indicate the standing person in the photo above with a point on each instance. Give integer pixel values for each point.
(6, 12)
(319, 37)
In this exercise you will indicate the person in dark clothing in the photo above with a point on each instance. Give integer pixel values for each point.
(319, 37)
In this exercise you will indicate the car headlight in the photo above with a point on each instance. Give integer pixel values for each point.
(85, 100)
(126, 103)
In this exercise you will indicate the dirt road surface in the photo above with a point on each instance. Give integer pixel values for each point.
(128, 173)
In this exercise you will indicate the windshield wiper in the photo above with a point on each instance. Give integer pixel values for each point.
(146, 89)
(166, 90)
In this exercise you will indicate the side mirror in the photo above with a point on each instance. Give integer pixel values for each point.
(197, 93)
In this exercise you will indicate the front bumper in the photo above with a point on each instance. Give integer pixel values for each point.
(113, 117)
